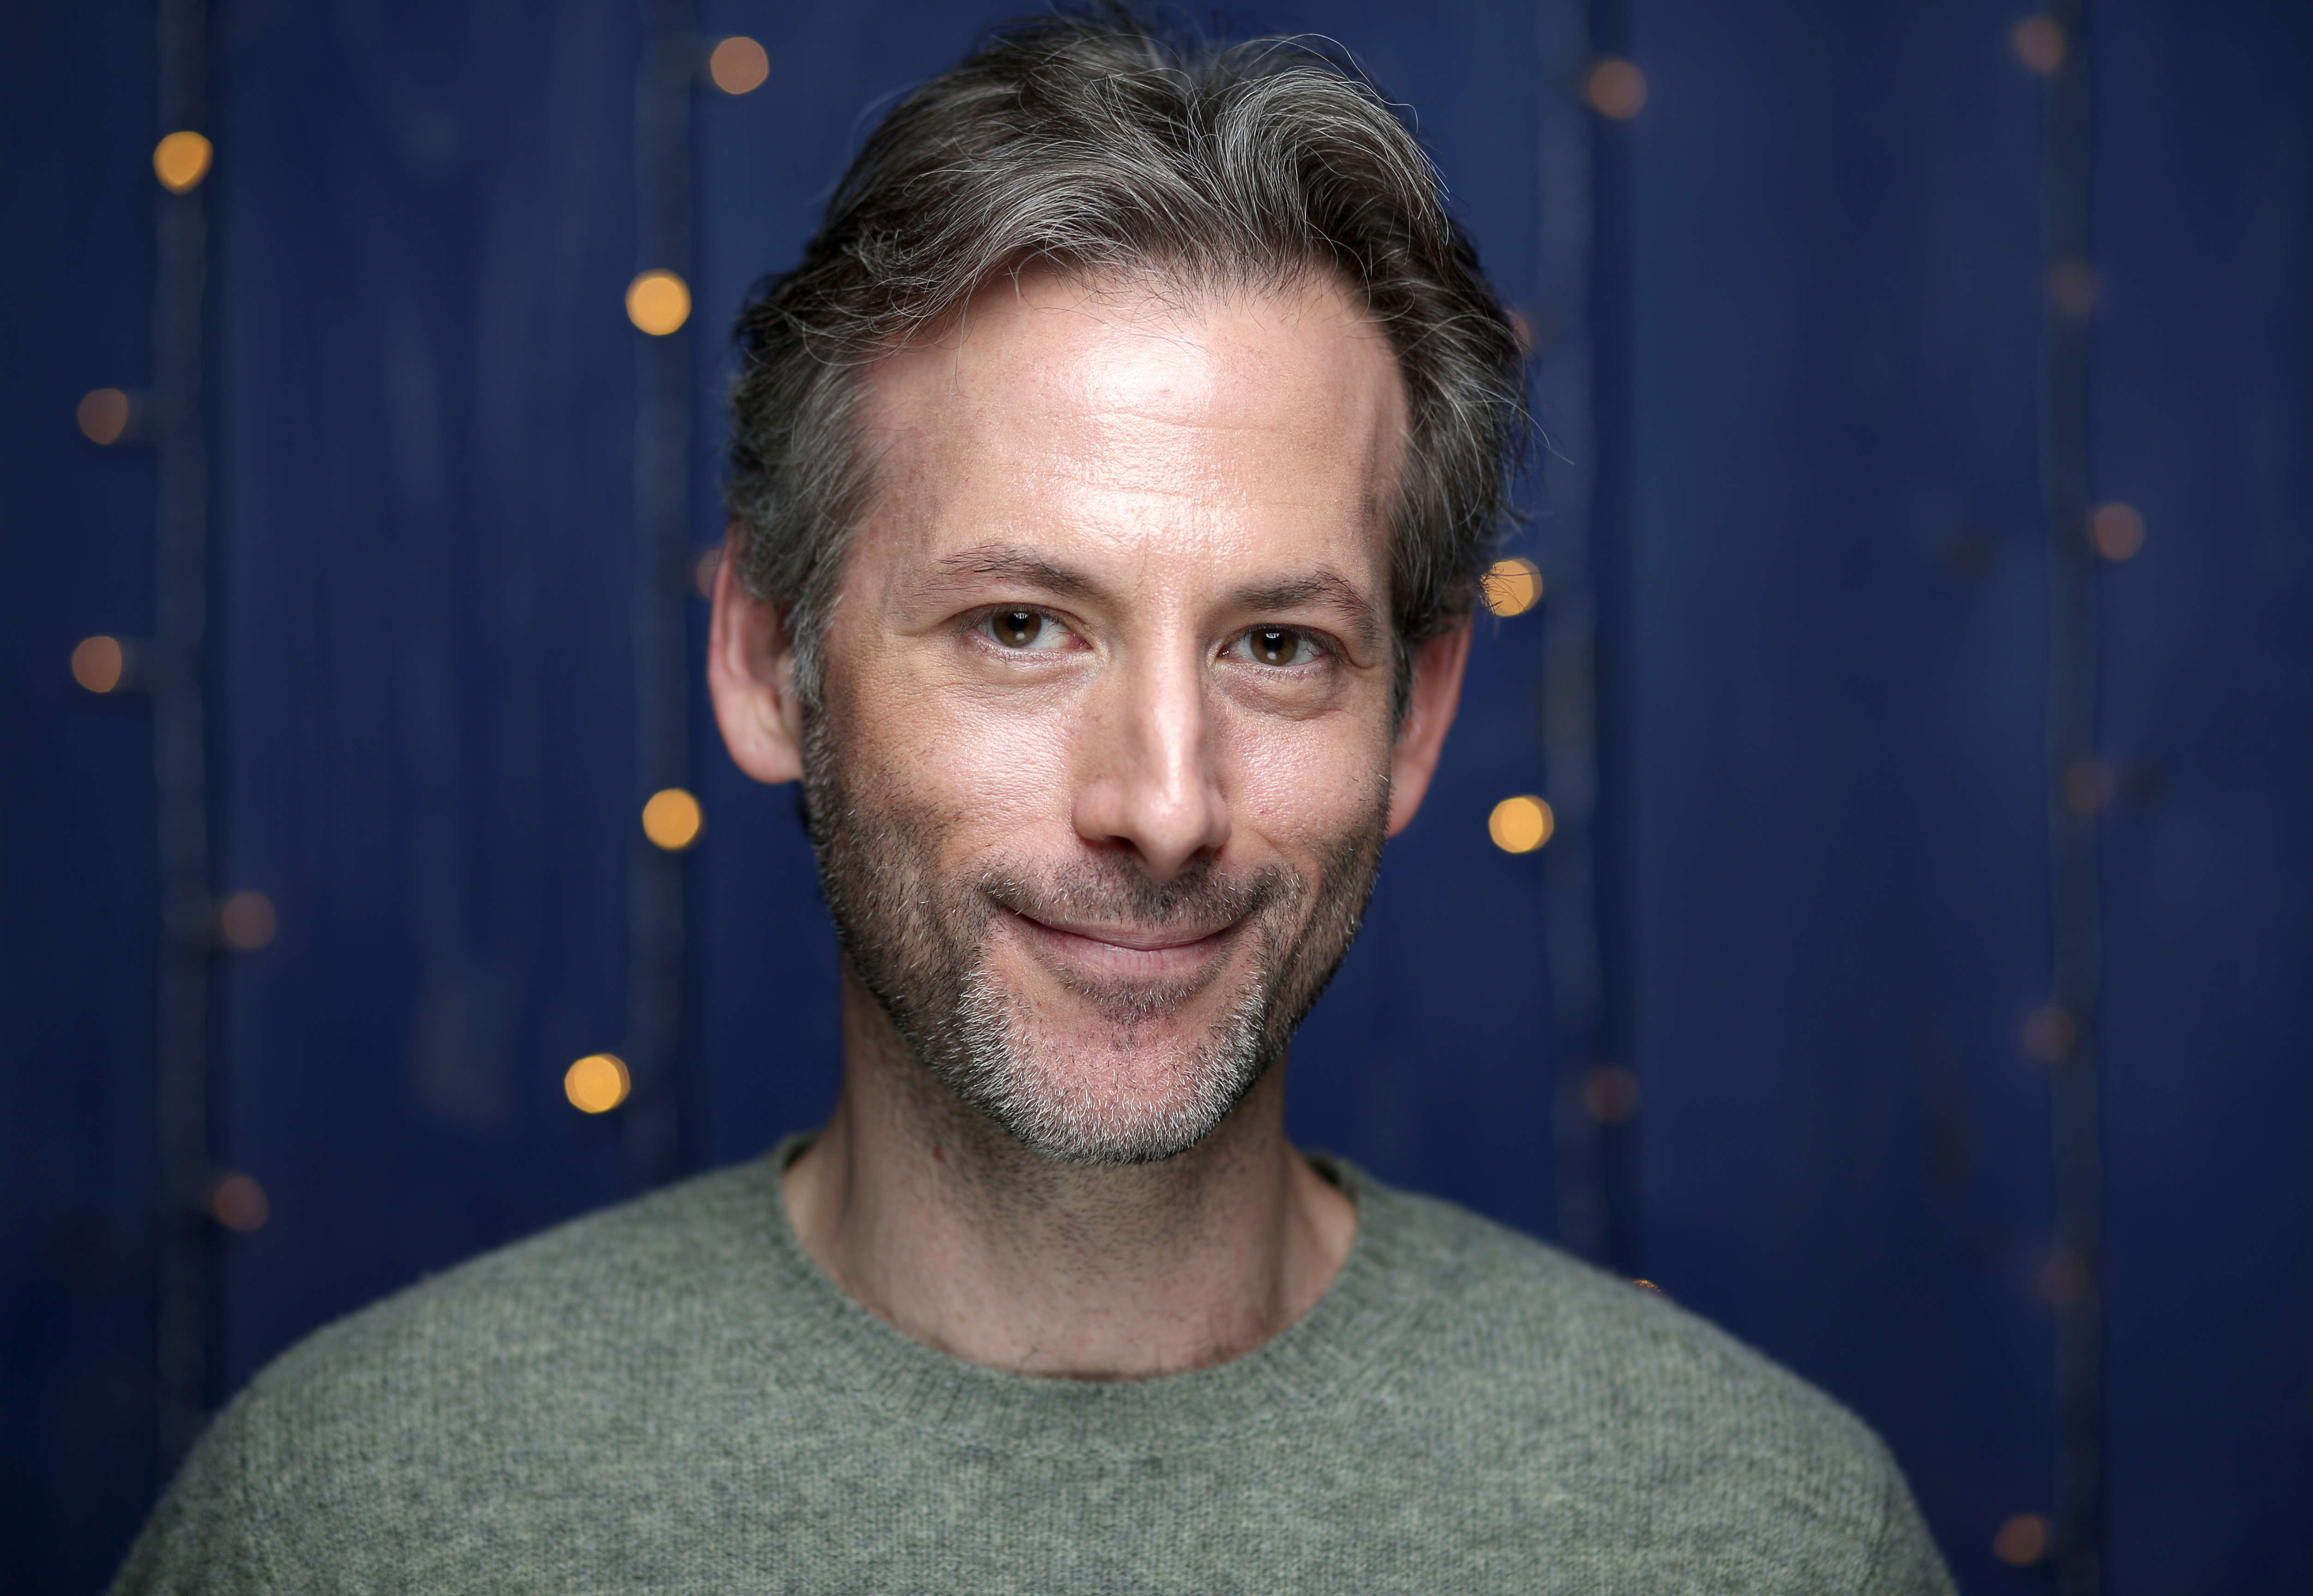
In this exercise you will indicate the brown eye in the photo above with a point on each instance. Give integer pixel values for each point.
(1276, 646)
(1016, 628)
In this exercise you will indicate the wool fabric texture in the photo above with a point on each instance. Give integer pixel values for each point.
(668, 1395)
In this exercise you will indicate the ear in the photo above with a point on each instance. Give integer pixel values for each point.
(1436, 694)
(750, 677)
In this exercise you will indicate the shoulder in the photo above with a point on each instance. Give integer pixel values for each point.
(1674, 1429)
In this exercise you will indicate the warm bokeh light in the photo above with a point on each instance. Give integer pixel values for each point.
(1610, 1094)
(2088, 786)
(1615, 87)
(1649, 1285)
(1521, 824)
(2118, 531)
(596, 1084)
(702, 574)
(2063, 1278)
(739, 65)
(2039, 43)
(181, 160)
(658, 302)
(238, 1202)
(99, 663)
(673, 818)
(2074, 288)
(1513, 586)
(2050, 1034)
(246, 921)
(103, 415)
(2022, 1540)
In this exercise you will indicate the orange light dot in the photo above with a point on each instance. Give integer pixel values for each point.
(1521, 824)
(2050, 1034)
(2074, 288)
(103, 415)
(2117, 531)
(1616, 89)
(1513, 586)
(246, 921)
(2039, 43)
(2065, 1278)
(238, 1202)
(597, 1084)
(658, 302)
(673, 819)
(2022, 1541)
(181, 160)
(99, 663)
(739, 65)
(1610, 1094)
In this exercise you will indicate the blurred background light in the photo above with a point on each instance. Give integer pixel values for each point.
(2022, 1540)
(1610, 1094)
(1616, 89)
(673, 818)
(596, 1084)
(238, 1202)
(658, 302)
(99, 663)
(2050, 1034)
(739, 65)
(2039, 43)
(103, 415)
(2118, 531)
(1513, 586)
(246, 921)
(1521, 824)
(181, 160)
(702, 574)
(2073, 287)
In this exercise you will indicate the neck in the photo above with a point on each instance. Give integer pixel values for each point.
(938, 1222)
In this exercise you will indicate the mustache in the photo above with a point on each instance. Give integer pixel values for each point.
(1117, 891)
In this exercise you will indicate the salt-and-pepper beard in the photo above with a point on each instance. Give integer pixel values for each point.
(921, 942)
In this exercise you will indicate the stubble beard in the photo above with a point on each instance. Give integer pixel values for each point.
(923, 942)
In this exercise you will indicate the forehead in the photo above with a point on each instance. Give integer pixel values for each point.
(1220, 431)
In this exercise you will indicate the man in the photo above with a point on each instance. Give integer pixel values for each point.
(1110, 485)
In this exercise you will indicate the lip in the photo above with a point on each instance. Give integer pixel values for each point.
(1126, 950)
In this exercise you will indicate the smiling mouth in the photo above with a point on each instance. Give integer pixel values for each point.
(1147, 952)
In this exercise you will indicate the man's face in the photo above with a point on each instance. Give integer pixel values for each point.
(1101, 773)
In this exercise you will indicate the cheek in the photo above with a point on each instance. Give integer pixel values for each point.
(1304, 784)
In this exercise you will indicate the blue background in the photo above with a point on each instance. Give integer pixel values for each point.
(1809, 358)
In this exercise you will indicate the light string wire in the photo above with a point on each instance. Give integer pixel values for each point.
(182, 1088)
(655, 909)
(2076, 1117)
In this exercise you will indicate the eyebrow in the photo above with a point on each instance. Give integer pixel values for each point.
(1324, 588)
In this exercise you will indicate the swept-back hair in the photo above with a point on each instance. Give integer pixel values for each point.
(1091, 144)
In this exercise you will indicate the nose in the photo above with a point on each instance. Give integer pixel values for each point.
(1148, 778)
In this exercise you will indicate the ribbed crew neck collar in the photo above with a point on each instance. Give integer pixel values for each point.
(1335, 1348)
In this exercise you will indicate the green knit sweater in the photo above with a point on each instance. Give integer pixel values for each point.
(670, 1397)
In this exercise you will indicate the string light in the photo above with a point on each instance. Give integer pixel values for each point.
(2022, 1541)
(2050, 1034)
(673, 819)
(658, 302)
(1610, 1094)
(2039, 42)
(739, 65)
(246, 921)
(1521, 824)
(2117, 531)
(99, 663)
(2074, 288)
(1512, 586)
(181, 160)
(597, 1084)
(103, 415)
(1615, 87)
(238, 1202)
(2063, 1278)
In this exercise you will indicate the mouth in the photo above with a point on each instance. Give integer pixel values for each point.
(1142, 952)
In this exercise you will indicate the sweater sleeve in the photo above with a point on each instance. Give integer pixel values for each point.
(199, 1538)
(1904, 1558)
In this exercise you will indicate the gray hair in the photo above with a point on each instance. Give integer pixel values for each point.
(1087, 144)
